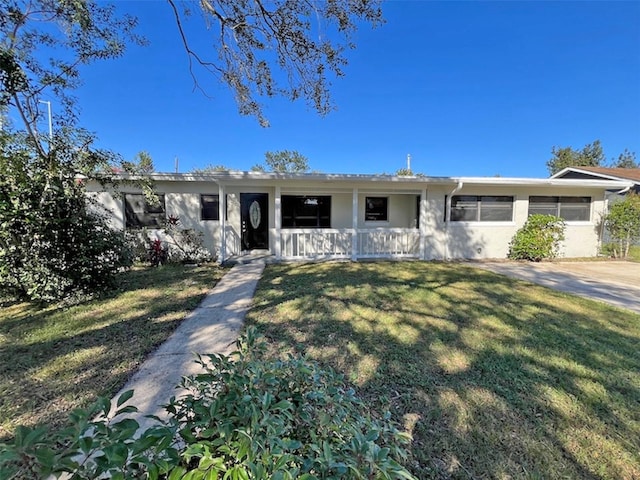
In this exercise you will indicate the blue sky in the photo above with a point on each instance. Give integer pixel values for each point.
(467, 88)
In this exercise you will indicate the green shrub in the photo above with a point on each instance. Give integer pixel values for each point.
(623, 224)
(53, 246)
(185, 245)
(94, 445)
(538, 239)
(171, 243)
(60, 251)
(243, 418)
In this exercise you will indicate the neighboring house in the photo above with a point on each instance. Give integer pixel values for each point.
(314, 216)
(602, 173)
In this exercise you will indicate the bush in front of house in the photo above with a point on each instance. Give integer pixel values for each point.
(172, 243)
(57, 249)
(244, 418)
(623, 224)
(538, 239)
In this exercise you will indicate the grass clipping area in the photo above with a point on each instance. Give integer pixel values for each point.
(55, 359)
(493, 377)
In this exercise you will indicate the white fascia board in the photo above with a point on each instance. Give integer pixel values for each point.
(595, 174)
(545, 182)
(389, 181)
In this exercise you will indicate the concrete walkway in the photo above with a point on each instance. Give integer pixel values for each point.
(616, 283)
(211, 328)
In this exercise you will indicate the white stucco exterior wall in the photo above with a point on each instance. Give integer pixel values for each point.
(455, 240)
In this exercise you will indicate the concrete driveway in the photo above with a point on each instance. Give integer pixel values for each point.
(614, 282)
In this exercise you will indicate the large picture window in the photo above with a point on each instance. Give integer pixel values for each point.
(209, 207)
(140, 213)
(485, 208)
(306, 211)
(376, 209)
(571, 209)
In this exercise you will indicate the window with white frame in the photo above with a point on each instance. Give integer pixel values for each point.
(570, 209)
(303, 211)
(139, 212)
(376, 209)
(482, 208)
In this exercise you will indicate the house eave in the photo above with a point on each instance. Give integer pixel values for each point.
(239, 177)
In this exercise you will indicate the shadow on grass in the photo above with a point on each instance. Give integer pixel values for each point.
(55, 359)
(493, 376)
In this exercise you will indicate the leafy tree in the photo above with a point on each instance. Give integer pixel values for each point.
(52, 245)
(303, 40)
(591, 155)
(623, 223)
(210, 169)
(143, 162)
(284, 161)
(626, 159)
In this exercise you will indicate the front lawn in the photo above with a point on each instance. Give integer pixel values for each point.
(494, 377)
(55, 359)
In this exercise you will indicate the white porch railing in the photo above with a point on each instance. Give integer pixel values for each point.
(389, 242)
(338, 243)
(315, 243)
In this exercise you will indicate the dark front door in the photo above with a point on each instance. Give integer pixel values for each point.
(254, 218)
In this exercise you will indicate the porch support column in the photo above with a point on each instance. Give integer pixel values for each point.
(222, 223)
(354, 226)
(423, 224)
(278, 222)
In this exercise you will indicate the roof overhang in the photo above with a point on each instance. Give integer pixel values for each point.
(601, 175)
(388, 181)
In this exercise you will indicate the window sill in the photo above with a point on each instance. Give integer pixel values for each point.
(482, 224)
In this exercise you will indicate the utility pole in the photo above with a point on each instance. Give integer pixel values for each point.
(408, 161)
(50, 122)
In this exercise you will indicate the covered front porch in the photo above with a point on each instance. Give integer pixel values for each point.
(323, 223)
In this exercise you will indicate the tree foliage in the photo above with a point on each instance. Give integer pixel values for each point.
(277, 47)
(210, 169)
(52, 244)
(623, 223)
(626, 159)
(283, 161)
(591, 155)
(538, 239)
(43, 45)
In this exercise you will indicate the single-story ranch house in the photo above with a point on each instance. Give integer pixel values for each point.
(317, 216)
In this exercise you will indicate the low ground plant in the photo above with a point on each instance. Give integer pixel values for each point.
(244, 418)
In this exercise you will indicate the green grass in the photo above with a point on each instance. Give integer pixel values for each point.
(54, 359)
(494, 377)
